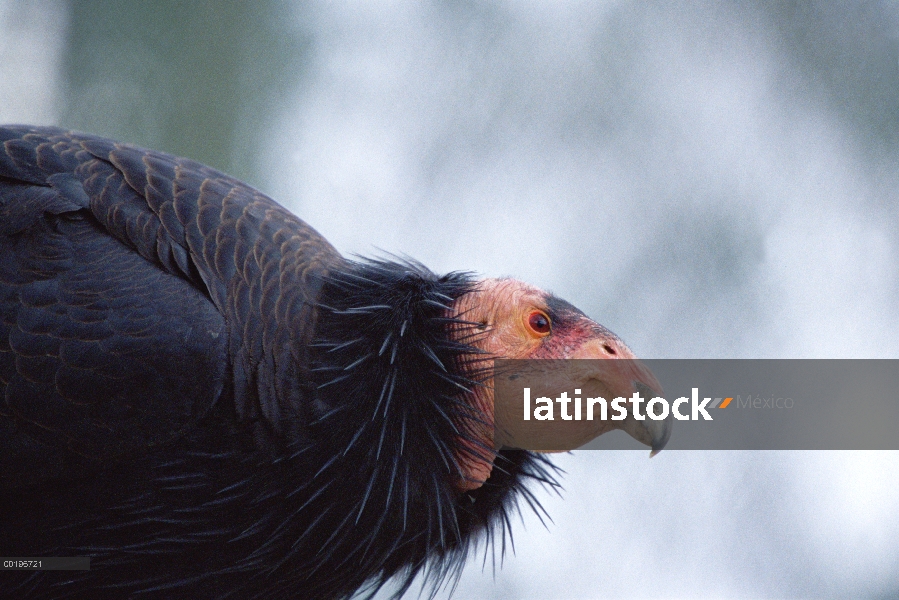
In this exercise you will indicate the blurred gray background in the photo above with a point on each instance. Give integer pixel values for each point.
(709, 180)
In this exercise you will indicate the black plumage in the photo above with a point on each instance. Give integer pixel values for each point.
(200, 393)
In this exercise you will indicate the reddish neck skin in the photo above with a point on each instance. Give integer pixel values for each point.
(503, 308)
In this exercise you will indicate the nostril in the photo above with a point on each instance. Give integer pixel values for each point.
(609, 349)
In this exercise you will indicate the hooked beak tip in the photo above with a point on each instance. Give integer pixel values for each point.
(660, 431)
(659, 443)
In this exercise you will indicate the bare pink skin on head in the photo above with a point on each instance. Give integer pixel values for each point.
(520, 321)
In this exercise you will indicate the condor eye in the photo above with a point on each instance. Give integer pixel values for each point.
(539, 322)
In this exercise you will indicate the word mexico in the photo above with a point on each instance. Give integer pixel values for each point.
(657, 408)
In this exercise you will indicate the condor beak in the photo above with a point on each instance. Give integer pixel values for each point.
(603, 368)
(624, 374)
(654, 434)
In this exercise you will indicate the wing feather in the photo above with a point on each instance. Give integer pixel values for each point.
(134, 288)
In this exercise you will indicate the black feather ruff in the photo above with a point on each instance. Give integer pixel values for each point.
(394, 395)
(363, 492)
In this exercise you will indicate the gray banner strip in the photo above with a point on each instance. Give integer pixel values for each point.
(752, 404)
(45, 563)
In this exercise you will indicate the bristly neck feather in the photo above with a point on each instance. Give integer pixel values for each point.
(394, 403)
